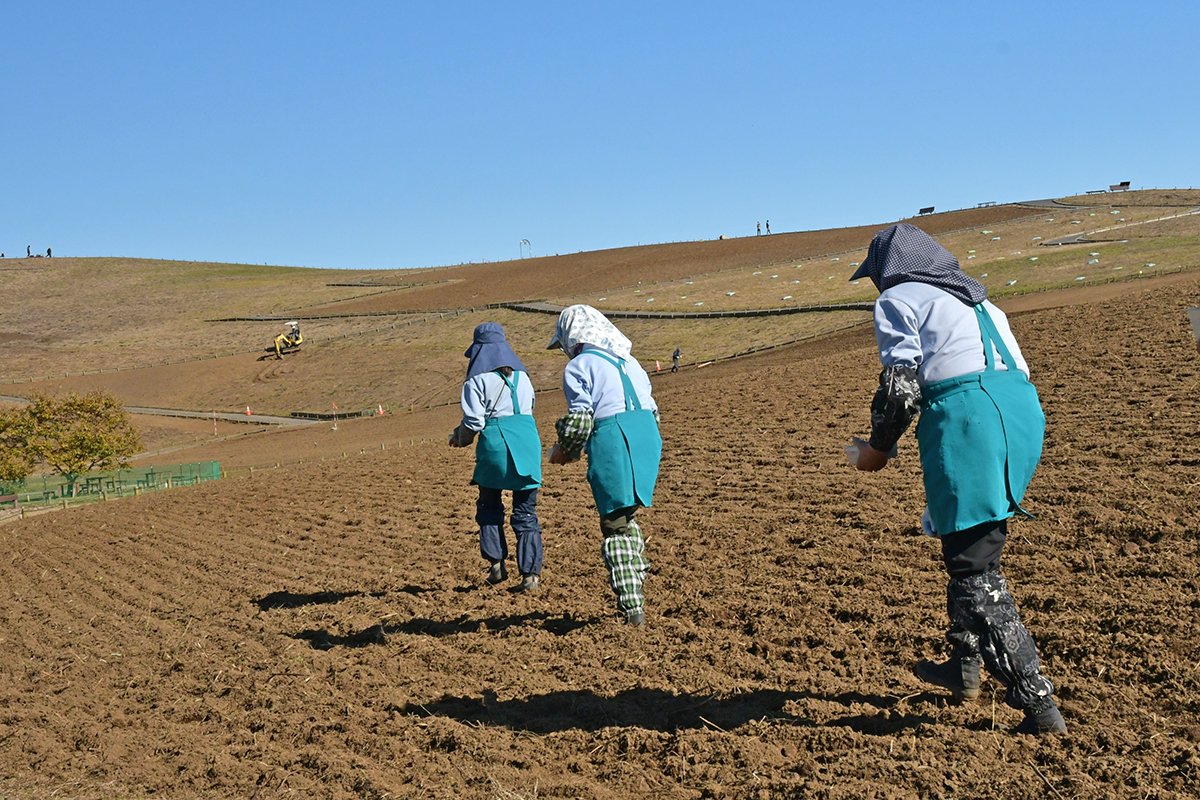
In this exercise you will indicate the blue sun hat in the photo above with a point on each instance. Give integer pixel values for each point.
(490, 350)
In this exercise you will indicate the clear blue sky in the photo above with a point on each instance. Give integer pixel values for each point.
(403, 134)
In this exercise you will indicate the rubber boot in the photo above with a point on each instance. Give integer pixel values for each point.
(529, 583)
(1042, 718)
(497, 573)
(959, 674)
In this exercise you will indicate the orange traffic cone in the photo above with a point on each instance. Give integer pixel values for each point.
(657, 366)
(379, 410)
(248, 411)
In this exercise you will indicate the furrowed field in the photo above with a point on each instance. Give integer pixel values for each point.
(320, 627)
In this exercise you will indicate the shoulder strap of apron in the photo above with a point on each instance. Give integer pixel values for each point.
(991, 338)
(489, 405)
(512, 388)
(631, 399)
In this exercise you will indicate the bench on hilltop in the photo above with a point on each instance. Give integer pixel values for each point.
(9, 498)
(924, 211)
(1123, 186)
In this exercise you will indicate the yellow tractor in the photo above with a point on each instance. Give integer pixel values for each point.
(287, 342)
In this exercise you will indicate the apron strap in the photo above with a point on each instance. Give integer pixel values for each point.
(631, 399)
(512, 388)
(991, 338)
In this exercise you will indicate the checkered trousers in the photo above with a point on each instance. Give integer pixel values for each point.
(624, 556)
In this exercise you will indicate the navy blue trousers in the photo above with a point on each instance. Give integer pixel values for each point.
(493, 545)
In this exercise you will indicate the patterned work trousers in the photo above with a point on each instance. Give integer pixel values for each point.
(984, 623)
(624, 556)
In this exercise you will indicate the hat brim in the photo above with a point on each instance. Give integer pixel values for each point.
(862, 272)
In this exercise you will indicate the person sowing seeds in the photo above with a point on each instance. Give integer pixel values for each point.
(497, 404)
(949, 353)
(613, 417)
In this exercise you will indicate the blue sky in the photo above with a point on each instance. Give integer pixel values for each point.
(404, 134)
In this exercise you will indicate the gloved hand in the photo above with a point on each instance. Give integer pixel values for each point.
(461, 437)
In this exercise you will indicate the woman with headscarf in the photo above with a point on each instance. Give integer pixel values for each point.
(611, 415)
(948, 353)
(497, 404)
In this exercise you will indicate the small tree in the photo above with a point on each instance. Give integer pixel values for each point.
(76, 433)
(16, 456)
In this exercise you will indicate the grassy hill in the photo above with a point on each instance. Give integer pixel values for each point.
(182, 334)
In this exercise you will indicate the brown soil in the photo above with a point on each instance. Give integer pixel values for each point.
(323, 630)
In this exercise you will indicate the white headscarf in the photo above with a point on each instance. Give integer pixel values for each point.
(580, 324)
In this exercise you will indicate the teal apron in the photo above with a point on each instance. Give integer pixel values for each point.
(980, 438)
(508, 452)
(623, 451)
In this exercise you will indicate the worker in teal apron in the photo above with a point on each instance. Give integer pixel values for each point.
(949, 354)
(497, 405)
(612, 416)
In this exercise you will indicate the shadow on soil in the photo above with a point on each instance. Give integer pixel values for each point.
(276, 600)
(559, 625)
(661, 710)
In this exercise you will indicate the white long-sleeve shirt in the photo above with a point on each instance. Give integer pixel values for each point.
(922, 326)
(592, 383)
(486, 395)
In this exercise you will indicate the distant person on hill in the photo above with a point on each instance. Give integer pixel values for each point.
(768, 227)
(949, 354)
(497, 405)
(758, 229)
(675, 360)
(48, 253)
(611, 416)
(28, 251)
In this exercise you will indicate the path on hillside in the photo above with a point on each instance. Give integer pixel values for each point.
(551, 308)
(1084, 238)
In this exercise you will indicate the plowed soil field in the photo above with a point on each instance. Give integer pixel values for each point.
(324, 631)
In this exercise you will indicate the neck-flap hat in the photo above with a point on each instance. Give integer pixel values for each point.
(904, 253)
(582, 324)
(490, 350)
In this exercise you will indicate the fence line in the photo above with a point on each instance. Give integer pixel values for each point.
(58, 494)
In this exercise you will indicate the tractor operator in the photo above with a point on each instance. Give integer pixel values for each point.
(289, 338)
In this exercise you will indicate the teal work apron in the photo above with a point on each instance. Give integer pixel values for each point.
(508, 452)
(623, 451)
(980, 438)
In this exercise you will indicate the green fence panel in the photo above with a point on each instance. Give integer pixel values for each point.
(120, 482)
